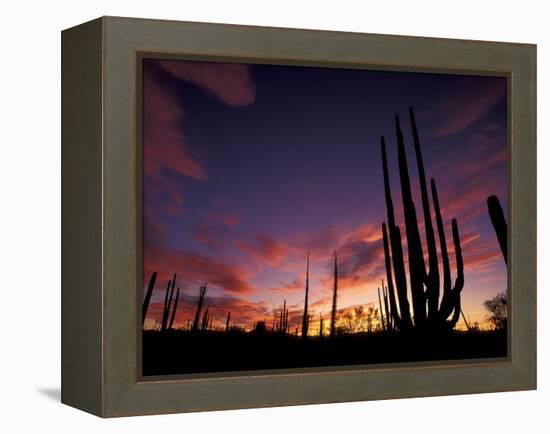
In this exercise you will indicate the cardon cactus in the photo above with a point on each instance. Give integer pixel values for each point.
(429, 312)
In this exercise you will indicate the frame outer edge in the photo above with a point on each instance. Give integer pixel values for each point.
(81, 211)
(526, 240)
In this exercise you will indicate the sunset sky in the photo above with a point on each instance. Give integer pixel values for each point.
(247, 167)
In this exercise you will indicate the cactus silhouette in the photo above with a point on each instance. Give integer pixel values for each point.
(394, 315)
(305, 319)
(174, 309)
(320, 325)
(227, 321)
(404, 320)
(388, 313)
(499, 224)
(382, 320)
(283, 320)
(334, 298)
(167, 303)
(147, 299)
(431, 277)
(416, 256)
(205, 319)
(196, 321)
(428, 311)
(451, 295)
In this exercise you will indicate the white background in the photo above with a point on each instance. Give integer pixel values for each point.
(30, 215)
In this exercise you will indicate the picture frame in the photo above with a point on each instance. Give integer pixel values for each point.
(101, 219)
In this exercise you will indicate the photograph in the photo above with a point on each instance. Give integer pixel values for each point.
(307, 217)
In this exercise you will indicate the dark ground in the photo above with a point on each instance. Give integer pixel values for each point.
(181, 352)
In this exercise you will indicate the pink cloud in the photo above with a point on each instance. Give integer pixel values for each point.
(264, 248)
(229, 82)
(297, 284)
(195, 269)
(164, 144)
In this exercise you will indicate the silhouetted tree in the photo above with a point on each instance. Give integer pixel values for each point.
(498, 310)
(372, 316)
(259, 327)
(358, 319)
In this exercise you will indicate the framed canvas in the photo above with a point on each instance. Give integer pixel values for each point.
(262, 217)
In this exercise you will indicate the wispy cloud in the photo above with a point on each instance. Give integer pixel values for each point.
(264, 248)
(465, 105)
(166, 150)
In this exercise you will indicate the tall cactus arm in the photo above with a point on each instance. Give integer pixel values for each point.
(453, 304)
(442, 247)
(499, 224)
(389, 278)
(387, 188)
(147, 299)
(401, 289)
(396, 249)
(459, 281)
(432, 278)
(417, 267)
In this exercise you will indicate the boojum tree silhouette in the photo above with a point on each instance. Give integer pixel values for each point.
(305, 317)
(430, 311)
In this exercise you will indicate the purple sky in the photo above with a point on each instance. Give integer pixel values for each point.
(247, 167)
